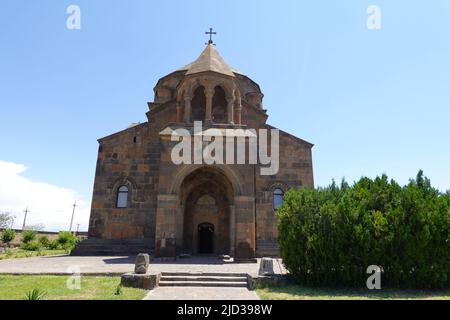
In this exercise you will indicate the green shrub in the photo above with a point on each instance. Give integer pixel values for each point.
(67, 240)
(28, 236)
(44, 241)
(31, 246)
(8, 235)
(329, 236)
(54, 245)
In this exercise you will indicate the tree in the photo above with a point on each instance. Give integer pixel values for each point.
(329, 236)
(8, 235)
(67, 240)
(6, 220)
(28, 236)
(44, 241)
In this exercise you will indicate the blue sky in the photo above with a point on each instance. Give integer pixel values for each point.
(372, 101)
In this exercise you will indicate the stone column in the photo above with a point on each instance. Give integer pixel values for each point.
(179, 112)
(187, 109)
(180, 228)
(232, 230)
(230, 110)
(245, 227)
(239, 112)
(166, 225)
(209, 93)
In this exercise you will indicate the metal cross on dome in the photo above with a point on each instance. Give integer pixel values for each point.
(210, 35)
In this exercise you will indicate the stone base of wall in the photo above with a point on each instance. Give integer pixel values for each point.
(267, 248)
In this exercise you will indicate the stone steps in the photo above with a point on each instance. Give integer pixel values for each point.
(202, 284)
(94, 246)
(205, 278)
(197, 274)
(184, 279)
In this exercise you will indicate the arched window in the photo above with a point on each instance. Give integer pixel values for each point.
(198, 105)
(122, 197)
(277, 198)
(219, 106)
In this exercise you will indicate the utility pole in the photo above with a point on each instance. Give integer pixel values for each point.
(78, 228)
(73, 213)
(25, 218)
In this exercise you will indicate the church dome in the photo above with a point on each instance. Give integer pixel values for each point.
(208, 89)
(210, 60)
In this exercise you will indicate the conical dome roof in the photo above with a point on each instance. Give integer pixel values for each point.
(210, 60)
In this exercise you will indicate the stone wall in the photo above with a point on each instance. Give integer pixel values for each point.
(126, 158)
(295, 171)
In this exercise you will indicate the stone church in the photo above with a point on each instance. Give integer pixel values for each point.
(144, 202)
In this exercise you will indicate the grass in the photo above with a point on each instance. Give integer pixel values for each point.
(295, 292)
(19, 253)
(55, 287)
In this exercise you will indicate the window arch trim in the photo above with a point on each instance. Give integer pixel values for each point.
(133, 190)
(271, 189)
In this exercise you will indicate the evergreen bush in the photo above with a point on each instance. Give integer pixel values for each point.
(329, 236)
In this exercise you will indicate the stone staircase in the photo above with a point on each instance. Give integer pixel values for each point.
(180, 279)
(102, 247)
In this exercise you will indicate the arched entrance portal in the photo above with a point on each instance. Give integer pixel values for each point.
(207, 198)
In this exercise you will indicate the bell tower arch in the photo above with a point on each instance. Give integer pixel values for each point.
(219, 94)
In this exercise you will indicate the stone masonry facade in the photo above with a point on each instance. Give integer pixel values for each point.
(143, 201)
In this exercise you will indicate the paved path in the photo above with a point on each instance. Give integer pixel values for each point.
(119, 265)
(66, 265)
(202, 293)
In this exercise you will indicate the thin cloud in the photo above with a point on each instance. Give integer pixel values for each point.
(49, 205)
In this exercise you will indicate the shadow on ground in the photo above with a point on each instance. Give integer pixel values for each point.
(120, 260)
(296, 292)
(181, 261)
